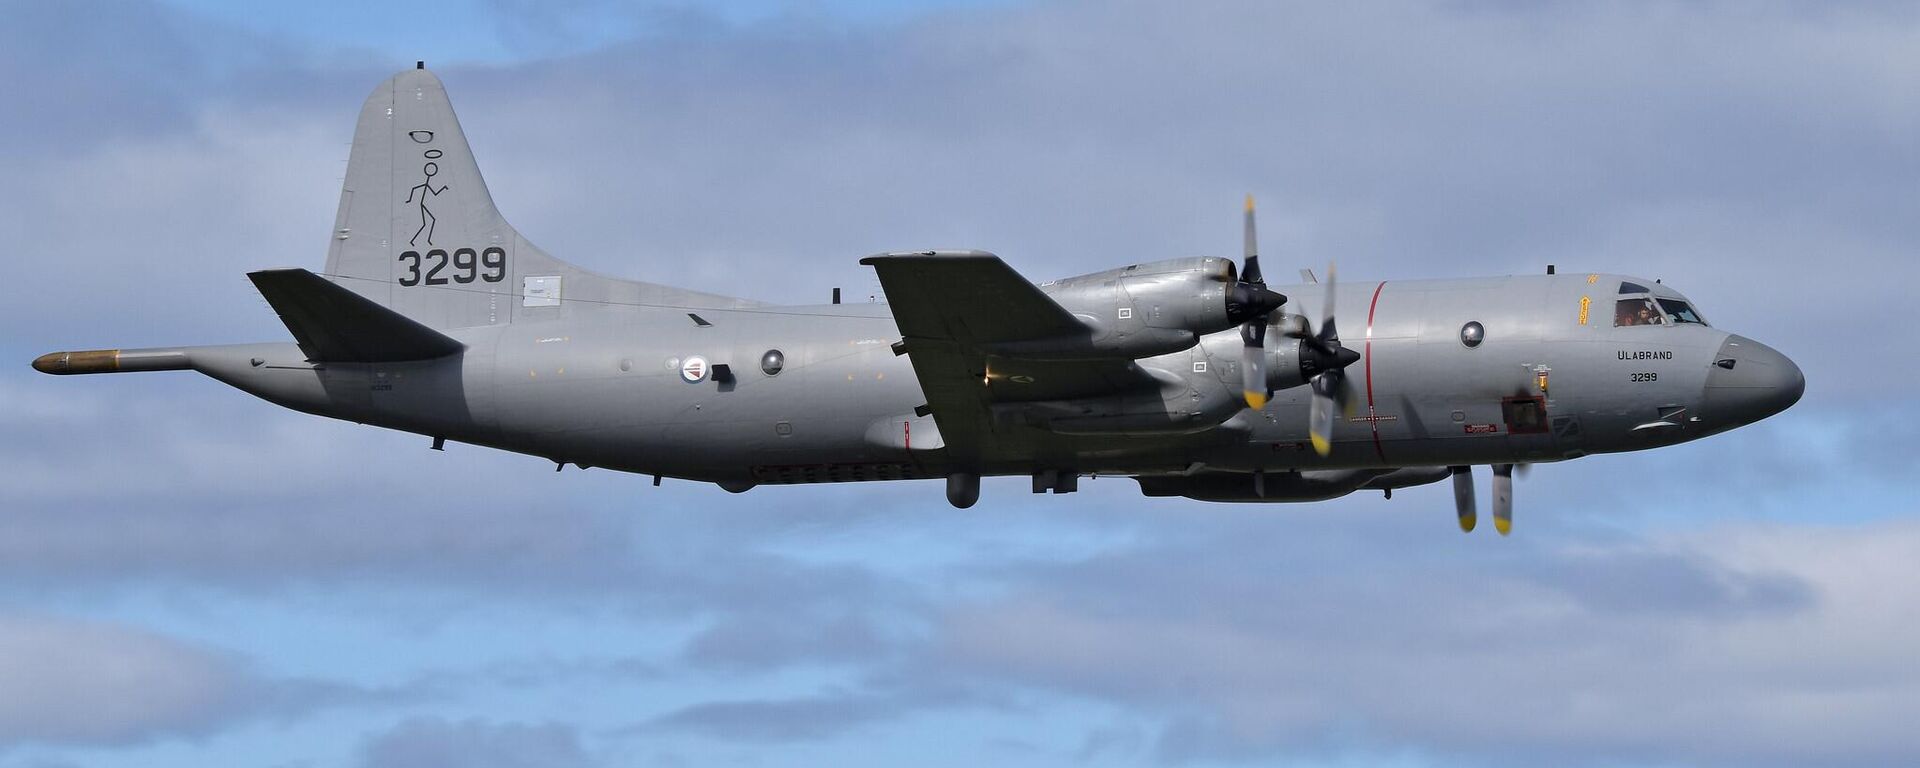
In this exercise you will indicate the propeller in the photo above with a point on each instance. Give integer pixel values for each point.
(1502, 496)
(1250, 301)
(1324, 362)
(1463, 497)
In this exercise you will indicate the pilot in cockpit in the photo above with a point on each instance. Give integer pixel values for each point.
(1637, 307)
(1635, 311)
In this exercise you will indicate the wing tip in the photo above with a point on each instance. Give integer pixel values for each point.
(929, 254)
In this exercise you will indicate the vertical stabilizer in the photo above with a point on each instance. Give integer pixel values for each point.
(417, 231)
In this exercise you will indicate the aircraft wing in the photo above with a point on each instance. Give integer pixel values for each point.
(967, 296)
(952, 308)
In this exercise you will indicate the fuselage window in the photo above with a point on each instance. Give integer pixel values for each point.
(1680, 311)
(1626, 288)
(1636, 311)
(1472, 334)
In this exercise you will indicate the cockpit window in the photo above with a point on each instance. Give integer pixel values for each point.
(1630, 287)
(1636, 311)
(1680, 311)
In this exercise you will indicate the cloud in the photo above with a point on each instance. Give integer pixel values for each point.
(85, 511)
(1410, 140)
(82, 682)
(776, 720)
(1736, 646)
(750, 641)
(97, 683)
(1354, 635)
(426, 741)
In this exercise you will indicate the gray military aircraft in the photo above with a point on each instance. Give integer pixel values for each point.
(1193, 376)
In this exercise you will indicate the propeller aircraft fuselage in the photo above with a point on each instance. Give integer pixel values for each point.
(435, 317)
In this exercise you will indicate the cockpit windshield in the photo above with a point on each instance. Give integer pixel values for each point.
(1639, 305)
(1636, 311)
(1681, 312)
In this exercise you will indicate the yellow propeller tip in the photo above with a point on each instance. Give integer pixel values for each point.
(1466, 523)
(1321, 445)
(1256, 400)
(1249, 201)
(1503, 526)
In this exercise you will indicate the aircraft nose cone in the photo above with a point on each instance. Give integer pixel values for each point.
(1751, 381)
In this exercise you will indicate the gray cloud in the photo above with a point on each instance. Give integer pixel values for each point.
(432, 741)
(1354, 635)
(97, 683)
(256, 503)
(781, 720)
(761, 641)
(1415, 140)
(83, 682)
(1268, 643)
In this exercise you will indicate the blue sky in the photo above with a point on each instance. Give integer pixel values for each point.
(509, 31)
(189, 576)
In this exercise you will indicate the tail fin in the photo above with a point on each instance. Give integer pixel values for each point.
(418, 233)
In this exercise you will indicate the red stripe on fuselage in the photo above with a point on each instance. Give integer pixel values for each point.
(1373, 419)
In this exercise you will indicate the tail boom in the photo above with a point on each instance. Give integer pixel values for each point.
(113, 361)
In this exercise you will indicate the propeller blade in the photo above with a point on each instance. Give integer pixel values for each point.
(1463, 497)
(1249, 251)
(1327, 340)
(1250, 302)
(1326, 309)
(1343, 395)
(1503, 498)
(1253, 363)
(1320, 420)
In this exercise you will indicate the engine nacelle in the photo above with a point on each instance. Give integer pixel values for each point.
(1138, 311)
(1189, 398)
(1290, 362)
(1178, 405)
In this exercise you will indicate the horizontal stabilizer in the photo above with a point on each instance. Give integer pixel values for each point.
(335, 325)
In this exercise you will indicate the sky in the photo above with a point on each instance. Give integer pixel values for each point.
(190, 577)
